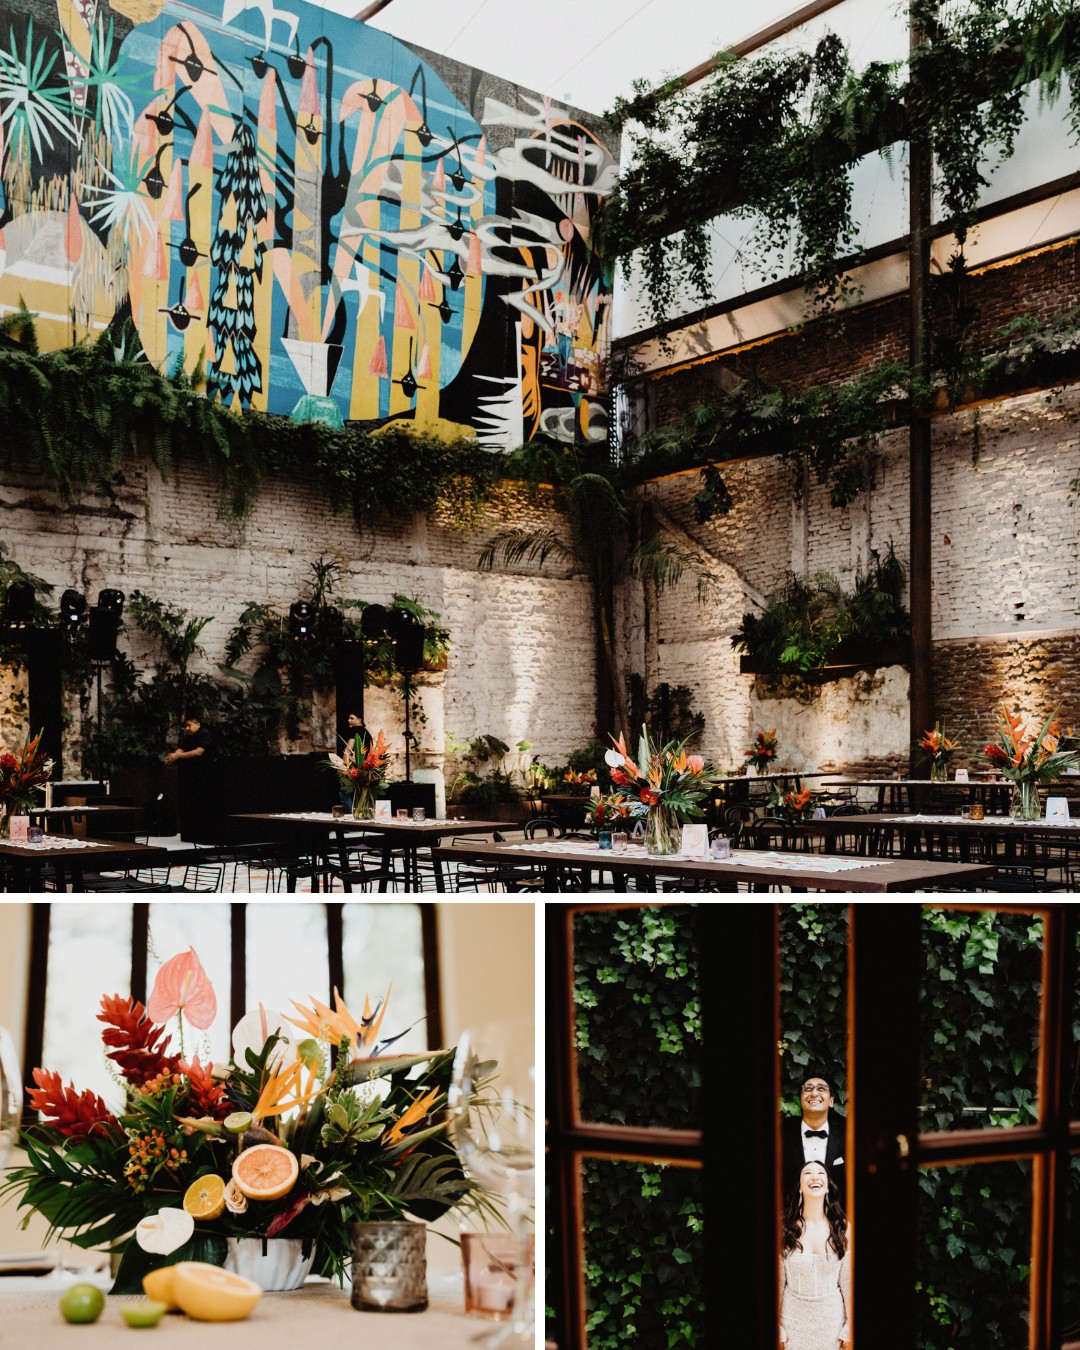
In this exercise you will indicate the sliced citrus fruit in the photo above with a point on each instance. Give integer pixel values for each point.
(143, 1313)
(157, 1285)
(211, 1294)
(237, 1122)
(266, 1171)
(205, 1197)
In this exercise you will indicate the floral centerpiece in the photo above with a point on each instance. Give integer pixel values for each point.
(799, 805)
(761, 753)
(361, 770)
(667, 782)
(580, 783)
(1027, 760)
(309, 1128)
(22, 772)
(613, 811)
(940, 749)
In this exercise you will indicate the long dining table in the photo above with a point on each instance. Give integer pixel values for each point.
(321, 832)
(906, 794)
(758, 869)
(71, 859)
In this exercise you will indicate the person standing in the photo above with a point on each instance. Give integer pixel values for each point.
(192, 757)
(816, 1135)
(357, 728)
(815, 1266)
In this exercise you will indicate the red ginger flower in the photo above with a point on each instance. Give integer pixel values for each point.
(206, 1093)
(140, 1049)
(76, 1114)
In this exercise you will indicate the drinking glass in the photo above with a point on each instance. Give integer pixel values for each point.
(492, 1114)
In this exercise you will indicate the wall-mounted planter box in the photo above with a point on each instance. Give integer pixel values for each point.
(851, 654)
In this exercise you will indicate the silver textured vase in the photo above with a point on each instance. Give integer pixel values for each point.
(273, 1263)
(389, 1265)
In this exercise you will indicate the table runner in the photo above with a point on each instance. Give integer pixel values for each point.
(781, 862)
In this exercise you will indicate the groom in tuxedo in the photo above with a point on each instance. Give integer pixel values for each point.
(817, 1135)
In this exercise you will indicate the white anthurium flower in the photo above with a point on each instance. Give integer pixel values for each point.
(335, 1193)
(613, 759)
(254, 1029)
(164, 1231)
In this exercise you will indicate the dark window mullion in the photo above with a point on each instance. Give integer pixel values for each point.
(238, 961)
(34, 1035)
(140, 940)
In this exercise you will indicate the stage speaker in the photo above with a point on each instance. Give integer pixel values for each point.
(101, 634)
(409, 648)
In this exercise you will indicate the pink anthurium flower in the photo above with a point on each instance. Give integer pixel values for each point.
(182, 986)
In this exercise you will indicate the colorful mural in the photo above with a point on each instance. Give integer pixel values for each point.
(296, 204)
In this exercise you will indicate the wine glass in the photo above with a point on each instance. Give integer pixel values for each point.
(10, 1096)
(493, 1125)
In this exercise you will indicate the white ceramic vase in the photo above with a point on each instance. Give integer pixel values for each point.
(273, 1263)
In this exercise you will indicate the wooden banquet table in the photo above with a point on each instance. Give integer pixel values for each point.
(924, 834)
(759, 868)
(903, 794)
(318, 1314)
(326, 834)
(71, 858)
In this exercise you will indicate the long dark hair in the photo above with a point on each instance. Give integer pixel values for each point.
(795, 1221)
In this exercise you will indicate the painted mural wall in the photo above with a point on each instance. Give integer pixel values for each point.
(298, 207)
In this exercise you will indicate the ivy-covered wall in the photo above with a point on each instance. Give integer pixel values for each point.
(304, 213)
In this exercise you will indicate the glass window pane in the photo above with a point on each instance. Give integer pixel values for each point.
(637, 1016)
(173, 929)
(383, 944)
(286, 957)
(813, 999)
(974, 1256)
(1070, 1263)
(89, 957)
(981, 989)
(644, 1275)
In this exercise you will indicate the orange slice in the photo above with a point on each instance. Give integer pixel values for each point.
(157, 1285)
(205, 1197)
(211, 1294)
(266, 1172)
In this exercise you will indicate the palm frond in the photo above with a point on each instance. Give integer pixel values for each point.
(510, 548)
(665, 564)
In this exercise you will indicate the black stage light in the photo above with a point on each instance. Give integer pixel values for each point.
(111, 600)
(19, 605)
(409, 647)
(373, 621)
(72, 609)
(301, 615)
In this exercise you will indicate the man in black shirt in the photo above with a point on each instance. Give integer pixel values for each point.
(192, 758)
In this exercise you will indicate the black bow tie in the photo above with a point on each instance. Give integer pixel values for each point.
(815, 1134)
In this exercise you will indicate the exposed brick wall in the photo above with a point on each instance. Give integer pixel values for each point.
(1045, 285)
(522, 661)
(1006, 598)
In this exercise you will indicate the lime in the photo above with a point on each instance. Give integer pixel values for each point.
(146, 1313)
(238, 1122)
(82, 1303)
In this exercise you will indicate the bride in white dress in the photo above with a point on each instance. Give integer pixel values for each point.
(815, 1269)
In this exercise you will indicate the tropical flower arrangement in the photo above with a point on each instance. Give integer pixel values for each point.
(309, 1128)
(940, 749)
(583, 782)
(799, 805)
(1028, 760)
(761, 753)
(22, 771)
(612, 810)
(361, 770)
(664, 780)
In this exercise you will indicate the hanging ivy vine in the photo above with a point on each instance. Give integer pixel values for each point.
(72, 416)
(773, 138)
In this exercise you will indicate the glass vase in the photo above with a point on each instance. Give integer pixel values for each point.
(1025, 800)
(663, 833)
(363, 804)
(939, 771)
(389, 1265)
